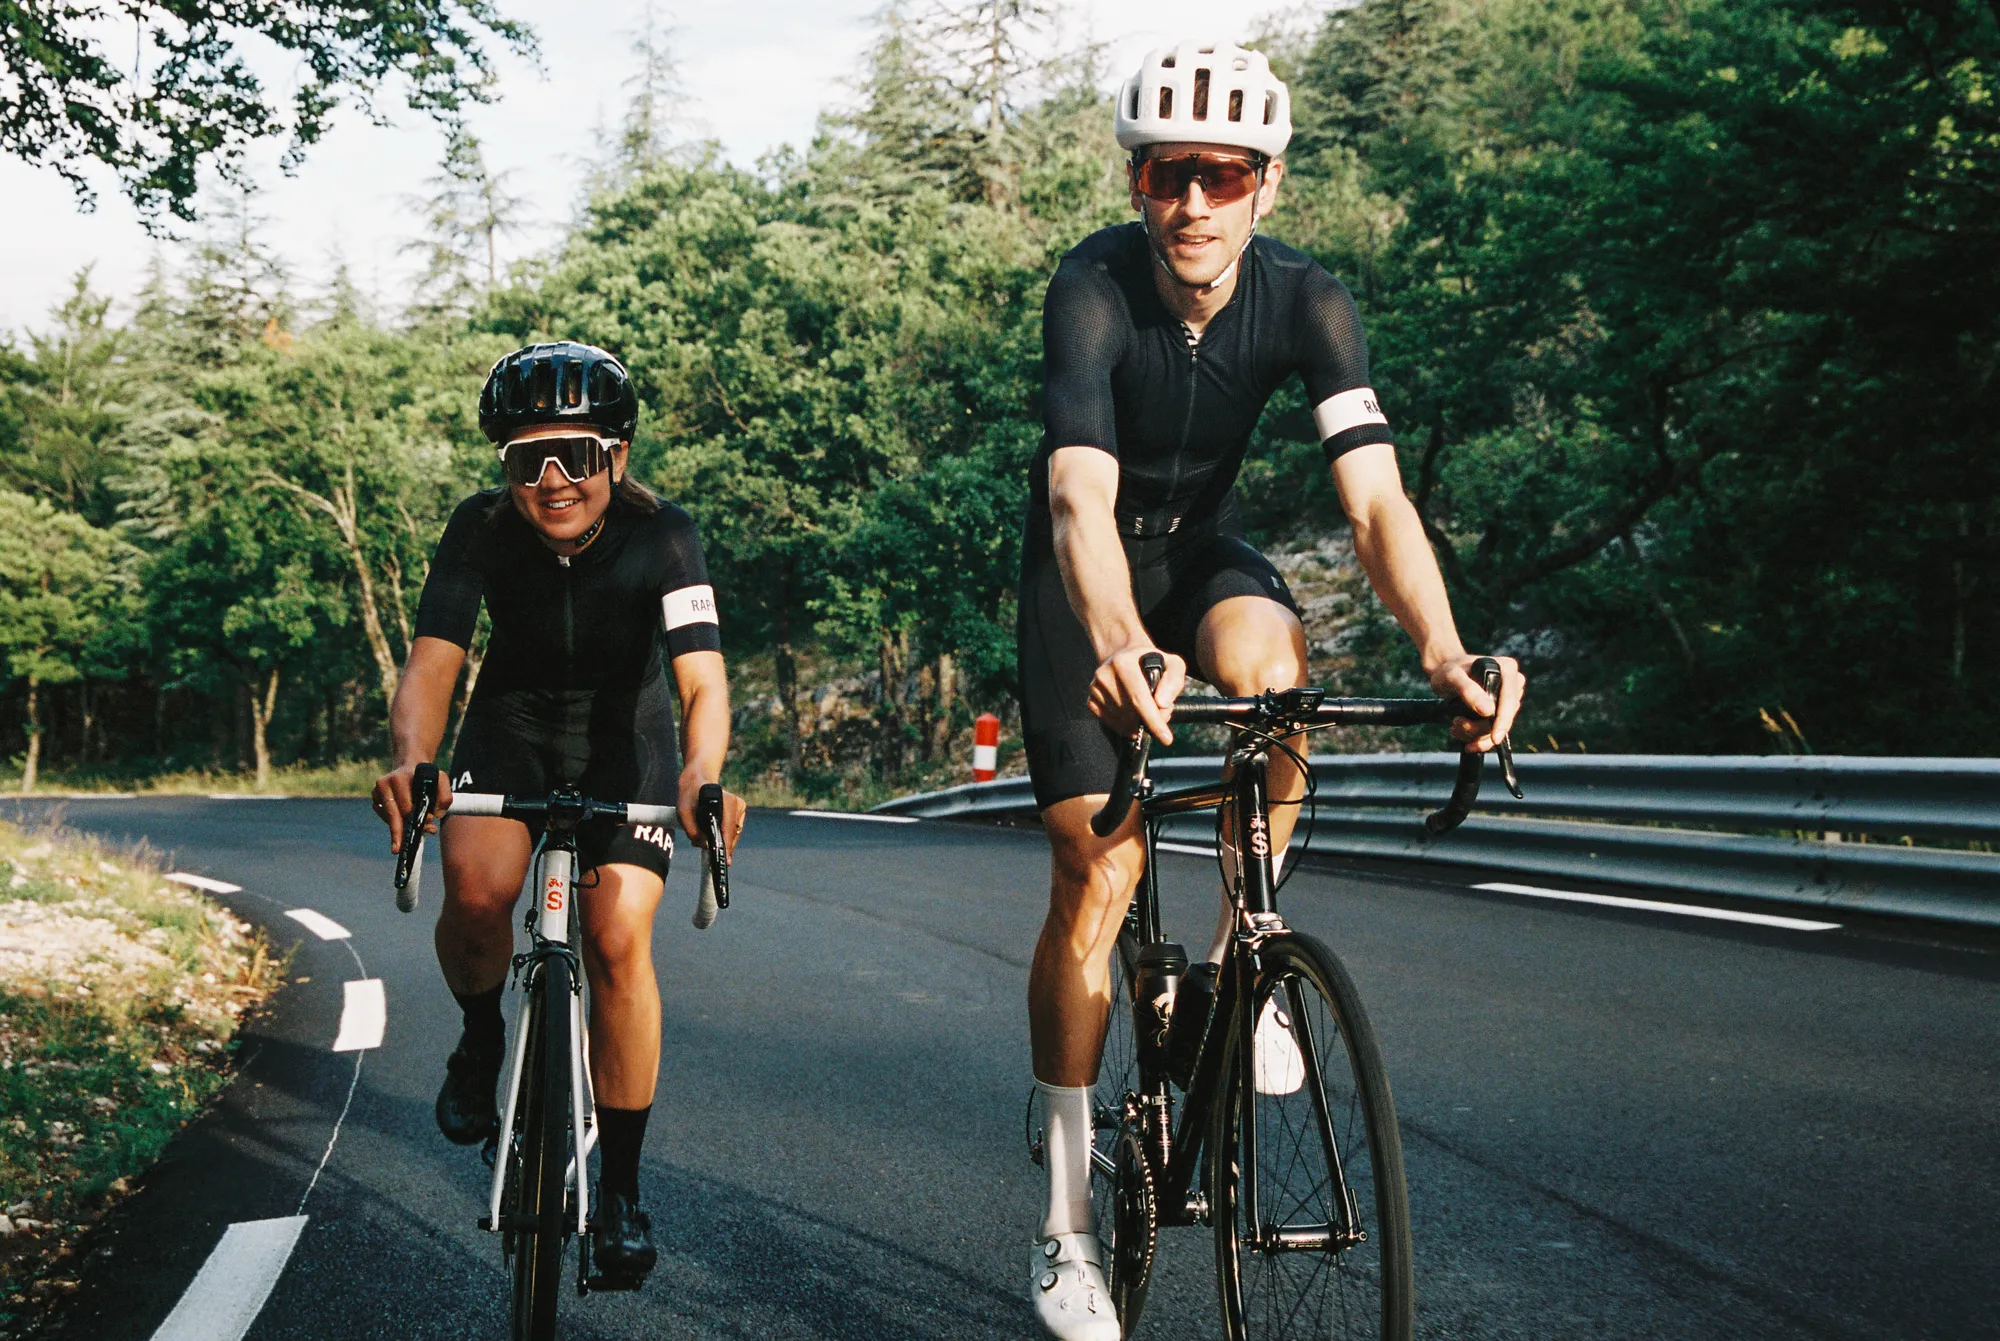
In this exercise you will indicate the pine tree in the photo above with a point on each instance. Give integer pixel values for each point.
(468, 209)
(647, 140)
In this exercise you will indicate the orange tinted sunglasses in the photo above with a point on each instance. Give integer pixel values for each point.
(1224, 180)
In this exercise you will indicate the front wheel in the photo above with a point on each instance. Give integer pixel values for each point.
(540, 1151)
(1312, 1218)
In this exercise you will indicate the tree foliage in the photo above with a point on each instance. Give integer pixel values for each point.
(1683, 313)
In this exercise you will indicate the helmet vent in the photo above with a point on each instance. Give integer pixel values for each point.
(542, 387)
(1270, 108)
(1240, 64)
(1168, 63)
(1133, 115)
(1166, 104)
(1201, 95)
(572, 386)
(1236, 104)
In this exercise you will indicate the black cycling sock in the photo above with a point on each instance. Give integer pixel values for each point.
(620, 1133)
(485, 1028)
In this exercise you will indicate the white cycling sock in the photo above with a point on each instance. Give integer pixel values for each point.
(1225, 922)
(1066, 1151)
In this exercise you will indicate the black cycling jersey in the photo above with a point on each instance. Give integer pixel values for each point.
(573, 688)
(1121, 373)
(592, 621)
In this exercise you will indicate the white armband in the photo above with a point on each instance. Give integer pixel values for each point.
(689, 605)
(1350, 409)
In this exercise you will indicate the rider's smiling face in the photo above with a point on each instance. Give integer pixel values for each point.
(560, 510)
(1196, 238)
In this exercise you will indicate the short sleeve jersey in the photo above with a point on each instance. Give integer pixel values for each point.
(596, 622)
(1121, 374)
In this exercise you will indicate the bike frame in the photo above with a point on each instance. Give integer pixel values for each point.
(1257, 921)
(552, 881)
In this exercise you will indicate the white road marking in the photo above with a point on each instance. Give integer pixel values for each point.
(248, 796)
(1655, 906)
(850, 815)
(319, 924)
(229, 1292)
(203, 882)
(1190, 848)
(364, 1014)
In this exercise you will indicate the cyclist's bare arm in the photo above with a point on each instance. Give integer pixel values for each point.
(704, 692)
(1390, 542)
(1083, 489)
(417, 720)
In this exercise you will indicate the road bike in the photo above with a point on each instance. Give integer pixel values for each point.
(1285, 1141)
(548, 1119)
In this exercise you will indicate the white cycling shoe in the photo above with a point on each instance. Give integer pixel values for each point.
(1068, 1287)
(1281, 1068)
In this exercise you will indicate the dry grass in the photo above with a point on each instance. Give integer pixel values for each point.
(120, 998)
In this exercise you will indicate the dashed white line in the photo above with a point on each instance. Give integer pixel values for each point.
(850, 815)
(319, 924)
(1656, 906)
(204, 883)
(248, 796)
(1189, 848)
(364, 1015)
(230, 1290)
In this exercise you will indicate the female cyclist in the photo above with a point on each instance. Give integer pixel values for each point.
(595, 587)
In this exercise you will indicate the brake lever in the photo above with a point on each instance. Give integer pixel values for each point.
(410, 859)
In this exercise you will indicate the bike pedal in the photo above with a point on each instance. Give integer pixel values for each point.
(490, 1152)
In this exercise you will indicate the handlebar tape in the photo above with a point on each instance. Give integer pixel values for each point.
(1465, 790)
(1131, 760)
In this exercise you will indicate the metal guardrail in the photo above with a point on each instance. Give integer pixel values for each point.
(1370, 804)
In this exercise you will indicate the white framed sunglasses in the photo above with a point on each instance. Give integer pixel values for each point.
(577, 455)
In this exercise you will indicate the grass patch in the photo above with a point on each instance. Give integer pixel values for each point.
(120, 999)
(355, 777)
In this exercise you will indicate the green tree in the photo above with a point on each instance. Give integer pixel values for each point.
(66, 603)
(188, 99)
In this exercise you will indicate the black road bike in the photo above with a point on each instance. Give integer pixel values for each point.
(548, 1121)
(1285, 1142)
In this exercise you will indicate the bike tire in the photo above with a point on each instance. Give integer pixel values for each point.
(1365, 1289)
(1117, 1075)
(542, 1149)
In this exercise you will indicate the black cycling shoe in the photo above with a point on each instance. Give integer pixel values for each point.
(621, 1243)
(465, 1109)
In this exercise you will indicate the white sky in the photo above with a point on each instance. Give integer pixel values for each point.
(757, 73)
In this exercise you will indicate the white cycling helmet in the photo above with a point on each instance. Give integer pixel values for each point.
(1205, 93)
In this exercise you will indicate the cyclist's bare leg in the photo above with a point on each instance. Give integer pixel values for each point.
(617, 914)
(1069, 984)
(1245, 645)
(485, 861)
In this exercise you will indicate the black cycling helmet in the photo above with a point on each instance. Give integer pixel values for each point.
(560, 383)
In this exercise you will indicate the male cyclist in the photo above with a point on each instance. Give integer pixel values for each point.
(1162, 341)
(595, 589)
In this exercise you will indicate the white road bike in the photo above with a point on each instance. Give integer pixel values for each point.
(548, 1120)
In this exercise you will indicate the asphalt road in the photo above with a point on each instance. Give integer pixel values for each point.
(1617, 1123)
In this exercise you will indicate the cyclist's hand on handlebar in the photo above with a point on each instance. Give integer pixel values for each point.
(1119, 697)
(734, 811)
(395, 798)
(1454, 679)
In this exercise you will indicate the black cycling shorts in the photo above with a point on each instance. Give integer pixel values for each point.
(1176, 579)
(611, 746)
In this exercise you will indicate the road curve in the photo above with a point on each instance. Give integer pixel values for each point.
(1619, 1123)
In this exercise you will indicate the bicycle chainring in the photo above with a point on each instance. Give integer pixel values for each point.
(1135, 1227)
